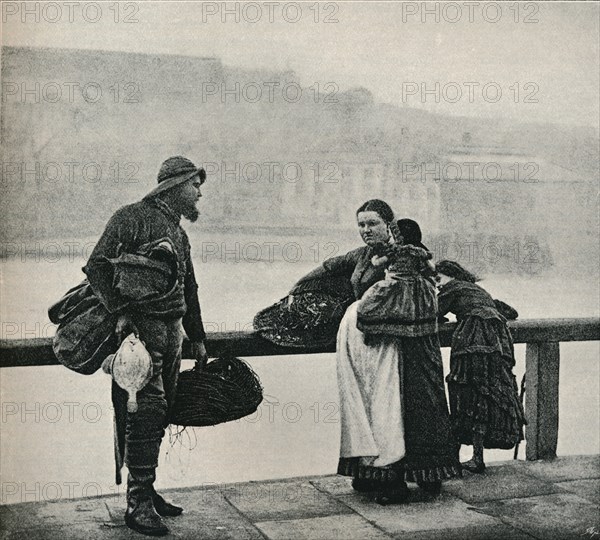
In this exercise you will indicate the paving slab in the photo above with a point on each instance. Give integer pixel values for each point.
(564, 468)
(342, 527)
(116, 508)
(93, 531)
(207, 514)
(549, 517)
(487, 532)
(516, 500)
(334, 485)
(32, 515)
(443, 513)
(586, 489)
(498, 482)
(338, 486)
(275, 501)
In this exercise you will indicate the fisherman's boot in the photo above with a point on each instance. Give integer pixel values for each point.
(145, 428)
(141, 515)
(164, 508)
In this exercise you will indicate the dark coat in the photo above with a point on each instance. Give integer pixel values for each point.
(130, 228)
(464, 299)
(354, 265)
(481, 328)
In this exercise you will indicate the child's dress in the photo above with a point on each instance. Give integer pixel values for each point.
(481, 385)
(404, 303)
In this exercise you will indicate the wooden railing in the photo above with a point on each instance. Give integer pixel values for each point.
(542, 360)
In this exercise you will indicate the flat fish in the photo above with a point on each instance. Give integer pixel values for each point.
(131, 368)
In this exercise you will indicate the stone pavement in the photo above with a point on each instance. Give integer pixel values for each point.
(557, 499)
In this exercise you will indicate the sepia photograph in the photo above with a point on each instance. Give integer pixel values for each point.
(300, 270)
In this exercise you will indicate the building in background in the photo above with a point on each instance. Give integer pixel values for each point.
(293, 161)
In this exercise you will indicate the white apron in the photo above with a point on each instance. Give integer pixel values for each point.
(370, 404)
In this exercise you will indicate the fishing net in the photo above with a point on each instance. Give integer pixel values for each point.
(224, 390)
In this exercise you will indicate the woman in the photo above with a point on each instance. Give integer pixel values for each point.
(485, 408)
(394, 415)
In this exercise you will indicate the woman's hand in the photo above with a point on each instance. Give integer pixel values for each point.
(379, 261)
(290, 301)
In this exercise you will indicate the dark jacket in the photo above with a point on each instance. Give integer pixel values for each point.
(130, 228)
(354, 265)
(465, 299)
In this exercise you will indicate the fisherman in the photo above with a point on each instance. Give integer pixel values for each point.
(151, 226)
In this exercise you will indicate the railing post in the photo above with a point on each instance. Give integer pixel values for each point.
(542, 362)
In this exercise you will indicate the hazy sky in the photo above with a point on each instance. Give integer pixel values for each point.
(386, 47)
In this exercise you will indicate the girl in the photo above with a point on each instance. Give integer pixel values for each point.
(404, 303)
(485, 409)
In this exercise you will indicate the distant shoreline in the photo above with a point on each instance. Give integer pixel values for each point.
(483, 253)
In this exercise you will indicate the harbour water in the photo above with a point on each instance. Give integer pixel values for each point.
(57, 425)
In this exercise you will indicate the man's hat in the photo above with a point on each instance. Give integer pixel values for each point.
(174, 171)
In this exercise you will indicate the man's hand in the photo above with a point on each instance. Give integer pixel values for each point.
(125, 327)
(199, 352)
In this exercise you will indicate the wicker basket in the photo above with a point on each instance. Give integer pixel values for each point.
(225, 390)
(311, 322)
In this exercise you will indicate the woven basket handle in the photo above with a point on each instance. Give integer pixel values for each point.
(200, 365)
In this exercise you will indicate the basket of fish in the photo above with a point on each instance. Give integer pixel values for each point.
(224, 390)
(310, 321)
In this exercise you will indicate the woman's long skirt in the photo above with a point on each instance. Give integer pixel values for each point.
(394, 414)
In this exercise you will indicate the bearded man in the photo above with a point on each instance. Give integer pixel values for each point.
(157, 321)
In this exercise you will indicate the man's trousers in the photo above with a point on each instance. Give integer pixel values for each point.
(139, 434)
